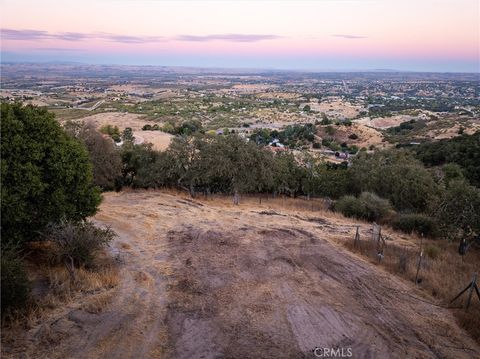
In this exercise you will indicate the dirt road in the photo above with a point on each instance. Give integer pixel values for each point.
(204, 279)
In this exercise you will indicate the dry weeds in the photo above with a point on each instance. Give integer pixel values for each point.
(54, 290)
(267, 278)
(443, 272)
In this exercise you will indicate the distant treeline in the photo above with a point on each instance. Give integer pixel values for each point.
(390, 186)
(463, 150)
(229, 164)
(387, 186)
(380, 106)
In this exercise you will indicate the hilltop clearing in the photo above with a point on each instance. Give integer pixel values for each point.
(206, 279)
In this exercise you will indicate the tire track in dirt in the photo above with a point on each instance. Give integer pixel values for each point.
(211, 280)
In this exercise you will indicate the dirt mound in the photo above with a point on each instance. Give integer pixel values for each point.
(206, 279)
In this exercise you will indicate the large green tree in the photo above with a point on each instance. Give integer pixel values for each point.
(457, 210)
(46, 174)
(397, 176)
(234, 165)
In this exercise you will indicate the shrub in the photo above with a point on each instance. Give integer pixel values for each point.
(14, 282)
(375, 208)
(77, 243)
(349, 206)
(367, 206)
(432, 251)
(127, 135)
(110, 130)
(415, 222)
(330, 130)
(353, 149)
(334, 146)
(325, 119)
(168, 128)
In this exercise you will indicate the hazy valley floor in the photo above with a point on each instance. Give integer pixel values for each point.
(206, 279)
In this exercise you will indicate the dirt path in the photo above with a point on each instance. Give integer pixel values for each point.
(210, 280)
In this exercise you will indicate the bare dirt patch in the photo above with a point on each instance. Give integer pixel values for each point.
(366, 136)
(204, 278)
(385, 122)
(120, 119)
(336, 108)
(160, 140)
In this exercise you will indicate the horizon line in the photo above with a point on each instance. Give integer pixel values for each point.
(372, 70)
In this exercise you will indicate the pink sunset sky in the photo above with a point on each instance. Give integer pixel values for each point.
(418, 35)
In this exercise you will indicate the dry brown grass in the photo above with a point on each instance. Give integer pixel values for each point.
(64, 289)
(53, 288)
(443, 273)
(268, 201)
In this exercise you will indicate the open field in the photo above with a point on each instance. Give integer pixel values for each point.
(337, 108)
(160, 140)
(385, 122)
(204, 278)
(122, 120)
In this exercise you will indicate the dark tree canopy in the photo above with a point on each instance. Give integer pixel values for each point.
(458, 210)
(46, 174)
(397, 176)
(463, 150)
(104, 154)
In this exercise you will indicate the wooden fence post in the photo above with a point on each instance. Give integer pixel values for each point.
(418, 266)
(356, 242)
(420, 257)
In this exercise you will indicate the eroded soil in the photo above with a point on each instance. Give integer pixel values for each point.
(206, 279)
